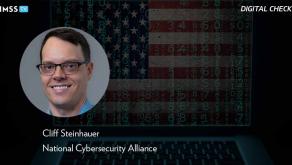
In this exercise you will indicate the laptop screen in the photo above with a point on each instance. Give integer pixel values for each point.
(182, 63)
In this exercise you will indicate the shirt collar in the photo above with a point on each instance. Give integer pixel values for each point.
(84, 108)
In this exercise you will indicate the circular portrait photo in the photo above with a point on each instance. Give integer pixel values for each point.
(64, 72)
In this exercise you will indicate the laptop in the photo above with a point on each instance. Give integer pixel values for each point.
(180, 83)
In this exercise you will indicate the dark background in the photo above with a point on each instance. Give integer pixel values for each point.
(22, 123)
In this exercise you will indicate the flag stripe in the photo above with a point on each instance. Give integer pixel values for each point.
(197, 61)
(199, 26)
(171, 119)
(199, 73)
(191, 14)
(177, 96)
(170, 84)
(168, 107)
(199, 50)
(198, 38)
(175, 4)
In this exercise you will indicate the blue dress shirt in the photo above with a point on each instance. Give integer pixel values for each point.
(84, 108)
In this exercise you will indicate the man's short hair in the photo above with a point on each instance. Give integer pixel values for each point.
(71, 36)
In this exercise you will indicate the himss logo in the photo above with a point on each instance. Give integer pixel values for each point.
(14, 9)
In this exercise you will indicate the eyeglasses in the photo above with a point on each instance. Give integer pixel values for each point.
(67, 67)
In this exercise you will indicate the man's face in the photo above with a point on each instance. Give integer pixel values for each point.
(62, 90)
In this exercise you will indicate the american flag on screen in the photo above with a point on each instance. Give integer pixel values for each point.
(182, 62)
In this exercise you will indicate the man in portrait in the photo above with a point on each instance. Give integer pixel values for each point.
(65, 69)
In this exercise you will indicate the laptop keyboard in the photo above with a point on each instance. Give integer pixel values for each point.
(168, 153)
